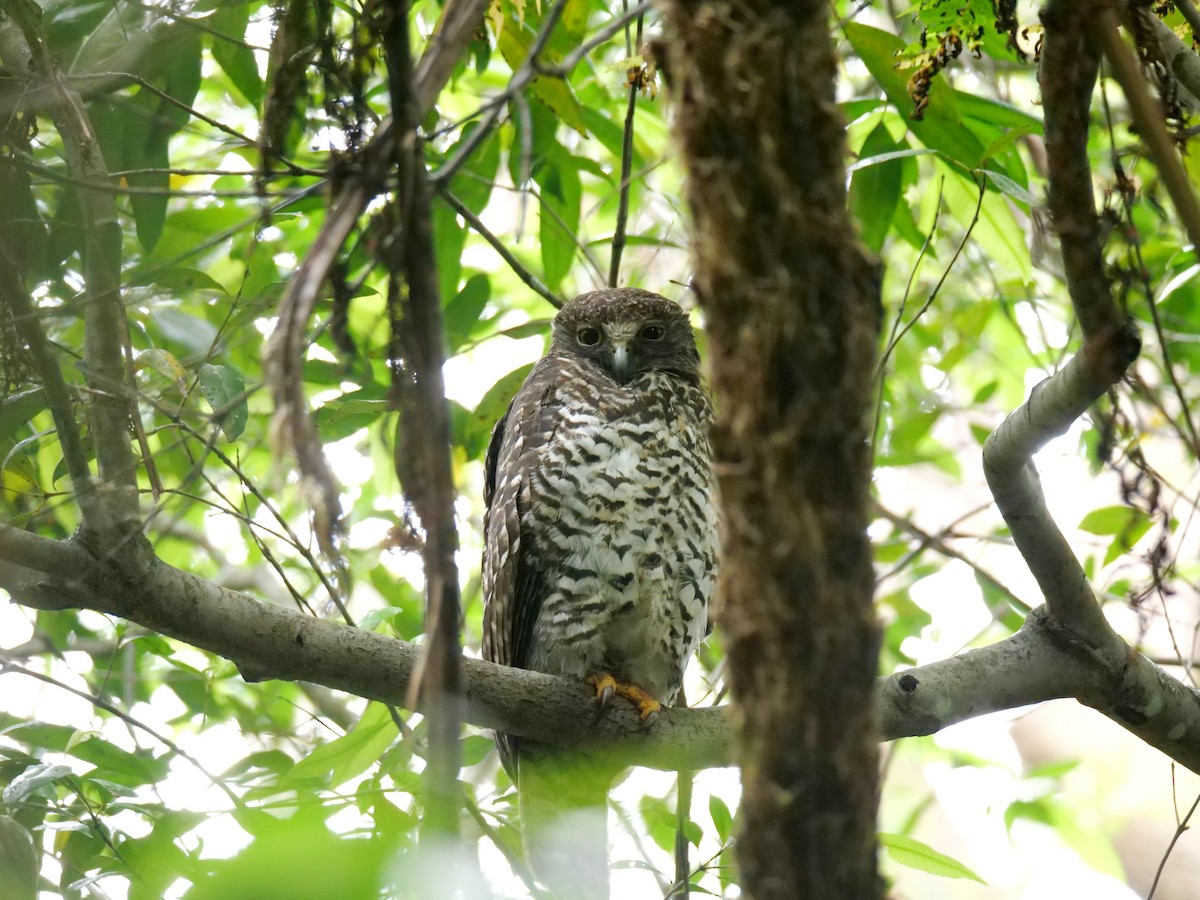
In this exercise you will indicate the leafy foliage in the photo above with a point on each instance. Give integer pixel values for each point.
(152, 769)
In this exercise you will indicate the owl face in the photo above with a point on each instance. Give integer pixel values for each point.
(627, 332)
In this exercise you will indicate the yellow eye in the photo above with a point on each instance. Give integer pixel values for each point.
(653, 333)
(588, 336)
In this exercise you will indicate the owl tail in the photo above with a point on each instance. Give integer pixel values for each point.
(563, 800)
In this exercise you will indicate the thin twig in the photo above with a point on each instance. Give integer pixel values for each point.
(58, 395)
(571, 60)
(945, 272)
(515, 264)
(937, 542)
(527, 71)
(17, 668)
(1192, 438)
(1179, 830)
(618, 240)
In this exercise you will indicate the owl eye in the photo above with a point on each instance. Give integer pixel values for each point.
(653, 333)
(588, 336)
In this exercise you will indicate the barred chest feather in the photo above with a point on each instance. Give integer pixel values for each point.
(623, 524)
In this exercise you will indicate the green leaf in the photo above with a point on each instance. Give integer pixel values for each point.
(876, 159)
(474, 749)
(297, 857)
(118, 42)
(17, 409)
(19, 861)
(1011, 188)
(120, 765)
(225, 390)
(349, 755)
(473, 182)
(177, 279)
(942, 127)
(1006, 140)
(449, 239)
(515, 40)
(462, 313)
(875, 189)
(149, 198)
(917, 855)
(1111, 520)
(232, 55)
(30, 780)
(660, 821)
(561, 196)
(475, 431)
(995, 113)
(341, 417)
(721, 817)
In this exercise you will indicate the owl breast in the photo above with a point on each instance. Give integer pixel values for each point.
(623, 525)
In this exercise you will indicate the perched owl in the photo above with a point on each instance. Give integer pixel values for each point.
(601, 543)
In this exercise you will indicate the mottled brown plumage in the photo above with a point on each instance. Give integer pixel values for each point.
(601, 541)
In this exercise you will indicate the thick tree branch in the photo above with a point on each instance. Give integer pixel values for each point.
(268, 641)
(1013, 480)
(1041, 662)
(1067, 77)
(40, 554)
(1068, 72)
(1046, 661)
(1120, 682)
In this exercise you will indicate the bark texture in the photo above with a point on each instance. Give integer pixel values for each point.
(792, 307)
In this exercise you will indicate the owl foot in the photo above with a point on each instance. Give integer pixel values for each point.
(607, 686)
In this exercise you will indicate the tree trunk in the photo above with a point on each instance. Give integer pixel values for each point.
(792, 310)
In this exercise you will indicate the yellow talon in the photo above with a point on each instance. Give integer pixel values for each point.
(606, 686)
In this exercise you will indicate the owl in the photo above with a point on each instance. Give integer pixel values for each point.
(600, 543)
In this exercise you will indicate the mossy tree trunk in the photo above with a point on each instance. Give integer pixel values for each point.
(791, 302)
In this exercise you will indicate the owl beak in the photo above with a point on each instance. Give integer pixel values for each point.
(621, 363)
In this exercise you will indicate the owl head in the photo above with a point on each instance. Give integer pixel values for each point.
(627, 332)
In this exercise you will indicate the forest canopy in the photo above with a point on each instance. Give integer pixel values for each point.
(270, 273)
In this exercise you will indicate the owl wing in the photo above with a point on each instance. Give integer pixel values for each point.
(513, 587)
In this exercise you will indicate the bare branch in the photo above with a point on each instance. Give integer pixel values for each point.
(1067, 76)
(496, 244)
(284, 356)
(1043, 661)
(58, 395)
(1007, 454)
(1164, 45)
(30, 551)
(618, 240)
(1068, 73)
(1148, 115)
(104, 317)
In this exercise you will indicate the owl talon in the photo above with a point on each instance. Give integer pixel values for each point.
(606, 686)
